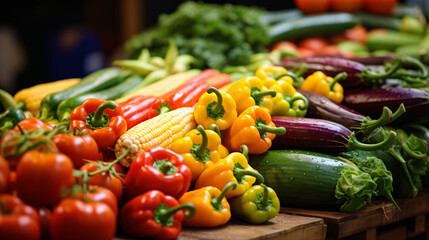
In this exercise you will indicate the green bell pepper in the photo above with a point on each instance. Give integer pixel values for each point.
(256, 205)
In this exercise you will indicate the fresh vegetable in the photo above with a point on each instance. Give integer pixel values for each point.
(229, 35)
(310, 25)
(80, 147)
(257, 205)
(380, 7)
(35, 175)
(322, 136)
(77, 219)
(251, 91)
(158, 131)
(391, 40)
(253, 128)
(104, 120)
(211, 206)
(345, 6)
(199, 148)
(312, 6)
(378, 172)
(288, 102)
(235, 168)
(307, 179)
(18, 220)
(329, 87)
(215, 107)
(158, 169)
(96, 81)
(137, 109)
(4, 175)
(371, 101)
(272, 17)
(10, 118)
(33, 96)
(67, 106)
(154, 215)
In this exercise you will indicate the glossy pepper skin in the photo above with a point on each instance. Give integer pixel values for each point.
(251, 91)
(137, 109)
(288, 101)
(104, 120)
(211, 206)
(269, 74)
(10, 118)
(257, 205)
(158, 169)
(154, 215)
(326, 86)
(199, 148)
(215, 107)
(252, 128)
(233, 168)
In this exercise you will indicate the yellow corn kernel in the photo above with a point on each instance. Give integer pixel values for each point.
(160, 131)
(33, 96)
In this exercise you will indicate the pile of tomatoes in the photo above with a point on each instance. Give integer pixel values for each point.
(378, 7)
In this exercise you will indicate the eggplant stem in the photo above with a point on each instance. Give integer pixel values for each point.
(354, 143)
(369, 125)
(394, 153)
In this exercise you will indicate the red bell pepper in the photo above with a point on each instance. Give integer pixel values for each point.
(158, 169)
(154, 215)
(219, 80)
(104, 120)
(137, 109)
(201, 77)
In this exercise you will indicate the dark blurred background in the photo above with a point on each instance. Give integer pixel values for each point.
(43, 41)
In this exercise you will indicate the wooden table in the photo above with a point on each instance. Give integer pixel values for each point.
(373, 221)
(283, 226)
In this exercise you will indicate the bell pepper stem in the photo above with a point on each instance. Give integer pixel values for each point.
(216, 201)
(218, 106)
(386, 143)
(337, 78)
(239, 173)
(201, 150)
(165, 166)
(163, 213)
(301, 107)
(99, 119)
(265, 128)
(163, 108)
(216, 129)
(244, 150)
(259, 95)
(266, 196)
(110, 165)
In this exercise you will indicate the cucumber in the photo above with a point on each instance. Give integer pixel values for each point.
(273, 17)
(306, 179)
(370, 21)
(66, 107)
(96, 81)
(391, 40)
(310, 25)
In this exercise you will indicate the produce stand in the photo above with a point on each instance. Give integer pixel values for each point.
(283, 226)
(378, 220)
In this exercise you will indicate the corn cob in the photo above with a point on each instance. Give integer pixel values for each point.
(33, 96)
(162, 86)
(160, 131)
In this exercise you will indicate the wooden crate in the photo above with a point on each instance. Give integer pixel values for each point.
(378, 220)
(282, 227)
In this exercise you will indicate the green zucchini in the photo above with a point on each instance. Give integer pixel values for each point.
(66, 107)
(391, 40)
(371, 21)
(96, 81)
(310, 25)
(306, 179)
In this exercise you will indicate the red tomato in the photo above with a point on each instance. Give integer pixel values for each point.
(40, 177)
(101, 194)
(329, 50)
(17, 219)
(345, 5)
(380, 7)
(312, 6)
(45, 223)
(4, 175)
(78, 148)
(74, 219)
(282, 44)
(313, 43)
(105, 179)
(357, 34)
(305, 52)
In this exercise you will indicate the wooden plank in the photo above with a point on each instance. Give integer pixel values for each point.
(399, 233)
(282, 227)
(417, 226)
(378, 213)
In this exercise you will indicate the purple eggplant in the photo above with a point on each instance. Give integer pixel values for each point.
(321, 136)
(324, 108)
(371, 101)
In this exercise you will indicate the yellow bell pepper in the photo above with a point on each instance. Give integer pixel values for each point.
(223, 151)
(200, 149)
(211, 207)
(233, 168)
(269, 73)
(251, 91)
(215, 107)
(288, 101)
(326, 86)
